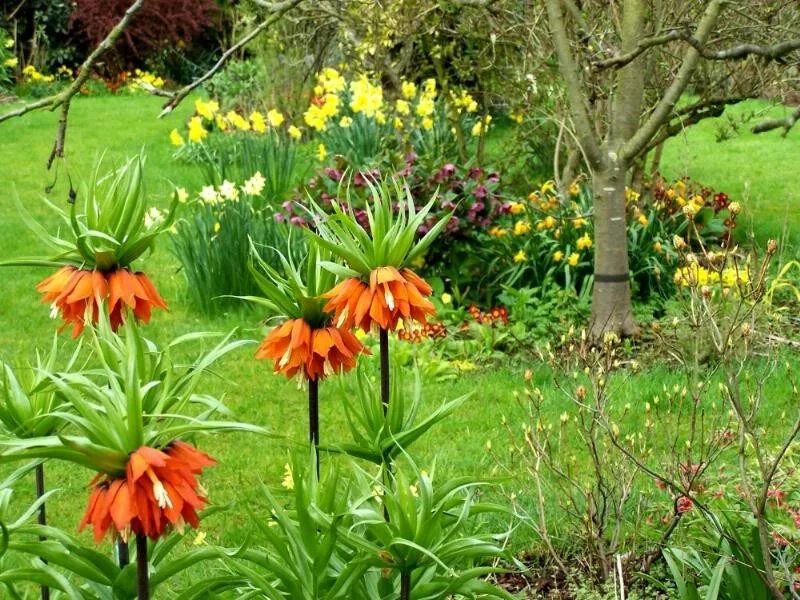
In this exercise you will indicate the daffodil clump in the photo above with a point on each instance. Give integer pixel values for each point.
(8, 61)
(210, 118)
(144, 81)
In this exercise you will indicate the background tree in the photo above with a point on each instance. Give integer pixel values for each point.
(636, 72)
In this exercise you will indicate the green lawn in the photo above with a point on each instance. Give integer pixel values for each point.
(121, 125)
(759, 170)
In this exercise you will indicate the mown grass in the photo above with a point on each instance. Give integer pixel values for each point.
(120, 126)
(754, 169)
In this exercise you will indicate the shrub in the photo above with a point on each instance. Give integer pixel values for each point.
(159, 24)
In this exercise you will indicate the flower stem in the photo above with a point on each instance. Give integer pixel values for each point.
(405, 585)
(313, 417)
(386, 468)
(122, 553)
(42, 515)
(142, 575)
(384, 342)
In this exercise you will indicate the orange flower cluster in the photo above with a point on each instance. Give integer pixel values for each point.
(73, 292)
(429, 331)
(159, 490)
(391, 295)
(499, 314)
(296, 346)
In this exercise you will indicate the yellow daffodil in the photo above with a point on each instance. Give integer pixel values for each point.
(221, 123)
(408, 89)
(197, 132)
(425, 106)
(321, 152)
(427, 123)
(175, 138)
(548, 187)
(558, 256)
(295, 133)
(642, 219)
(584, 242)
(345, 121)
(258, 122)
(237, 121)
(579, 222)
(521, 227)
(183, 195)
(11, 62)
(481, 126)
(517, 117)
(255, 185)
(365, 97)
(275, 118)
(573, 259)
(446, 298)
(402, 107)
(574, 189)
(498, 231)
(516, 208)
(520, 257)
(207, 110)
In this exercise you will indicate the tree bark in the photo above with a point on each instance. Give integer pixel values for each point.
(611, 297)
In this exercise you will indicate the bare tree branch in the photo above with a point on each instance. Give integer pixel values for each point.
(692, 114)
(665, 106)
(64, 98)
(644, 44)
(786, 123)
(279, 9)
(572, 81)
(741, 52)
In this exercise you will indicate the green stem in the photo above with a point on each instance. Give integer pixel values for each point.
(405, 586)
(386, 468)
(313, 418)
(142, 574)
(40, 491)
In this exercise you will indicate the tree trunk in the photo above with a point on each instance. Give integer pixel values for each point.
(611, 300)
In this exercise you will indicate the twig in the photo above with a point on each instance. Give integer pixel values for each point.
(279, 8)
(786, 123)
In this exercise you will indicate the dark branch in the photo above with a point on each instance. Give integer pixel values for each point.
(692, 114)
(63, 98)
(741, 52)
(279, 9)
(644, 44)
(786, 123)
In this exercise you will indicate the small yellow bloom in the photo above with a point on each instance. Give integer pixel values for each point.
(321, 152)
(275, 118)
(574, 189)
(642, 220)
(345, 121)
(446, 298)
(558, 256)
(482, 126)
(498, 232)
(200, 538)
(196, 130)
(734, 208)
(11, 62)
(183, 195)
(520, 257)
(238, 121)
(521, 227)
(408, 89)
(221, 123)
(175, 138)
(517, 117)
(402, 107)
(573, 259)
(584, 242)
(548, 187)
(258, 122)
(427, 123)
(295, 133)
(217, 227)
(579, 222)
(657, 247)
(202, 109)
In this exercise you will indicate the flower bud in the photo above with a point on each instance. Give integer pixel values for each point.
(772, 247)
(678, 242)
(734, 208)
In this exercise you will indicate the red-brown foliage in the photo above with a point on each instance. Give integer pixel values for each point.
(157, 25)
